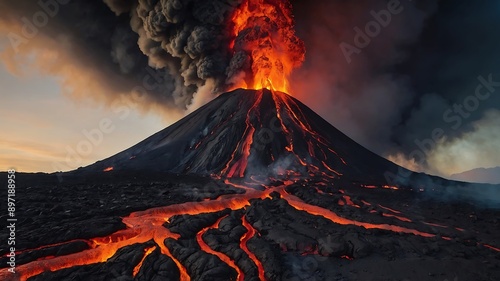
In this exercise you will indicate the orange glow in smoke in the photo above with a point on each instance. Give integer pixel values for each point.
(265, 30)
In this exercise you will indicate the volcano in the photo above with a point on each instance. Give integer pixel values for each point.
(248, 133)
(252, 186)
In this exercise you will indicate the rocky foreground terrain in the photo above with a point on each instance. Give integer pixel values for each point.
(453, 240)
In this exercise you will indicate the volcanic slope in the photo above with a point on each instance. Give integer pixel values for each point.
(248, 133)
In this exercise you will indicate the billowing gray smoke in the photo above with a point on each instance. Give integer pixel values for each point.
(189, 38)
(198, 40)
(183, 45)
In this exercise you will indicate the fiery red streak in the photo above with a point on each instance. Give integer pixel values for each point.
(437, 225)
(327, 214)
(366, 203)
(349, 202)
(492, 248)
(243, 245)
(397, 217)
(138, 267)
(284, 109)
(347, 258)
(204, 246)
(240, 166)
(389, 209)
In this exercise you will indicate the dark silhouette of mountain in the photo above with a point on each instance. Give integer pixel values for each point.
(251, 132)
(481, 175)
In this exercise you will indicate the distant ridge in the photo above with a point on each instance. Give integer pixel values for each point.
(480, 175)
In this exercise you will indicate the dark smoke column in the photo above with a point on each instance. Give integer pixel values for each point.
(234, 43)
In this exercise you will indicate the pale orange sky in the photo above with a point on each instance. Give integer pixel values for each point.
(39, 123)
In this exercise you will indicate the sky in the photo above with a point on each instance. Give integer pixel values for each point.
(42, 128)
(73, 70)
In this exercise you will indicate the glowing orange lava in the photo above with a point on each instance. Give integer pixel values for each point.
(109, 169)
(390, 187)
(221, 256)
(327, 214)
(389, 209)
(147, 252)
(148, 225)
(437, 225)
(397, 217)
(318, 147)
(349, 202)
(239, 167)
(243, 245)
(142, 227)
(347, 258)
(264, 29)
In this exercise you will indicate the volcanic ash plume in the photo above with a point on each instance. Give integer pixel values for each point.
(235, 43)
(265, 39)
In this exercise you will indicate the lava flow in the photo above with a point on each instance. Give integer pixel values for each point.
(147, 252)
(243, 245)
(221, 256)
(148, 225)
